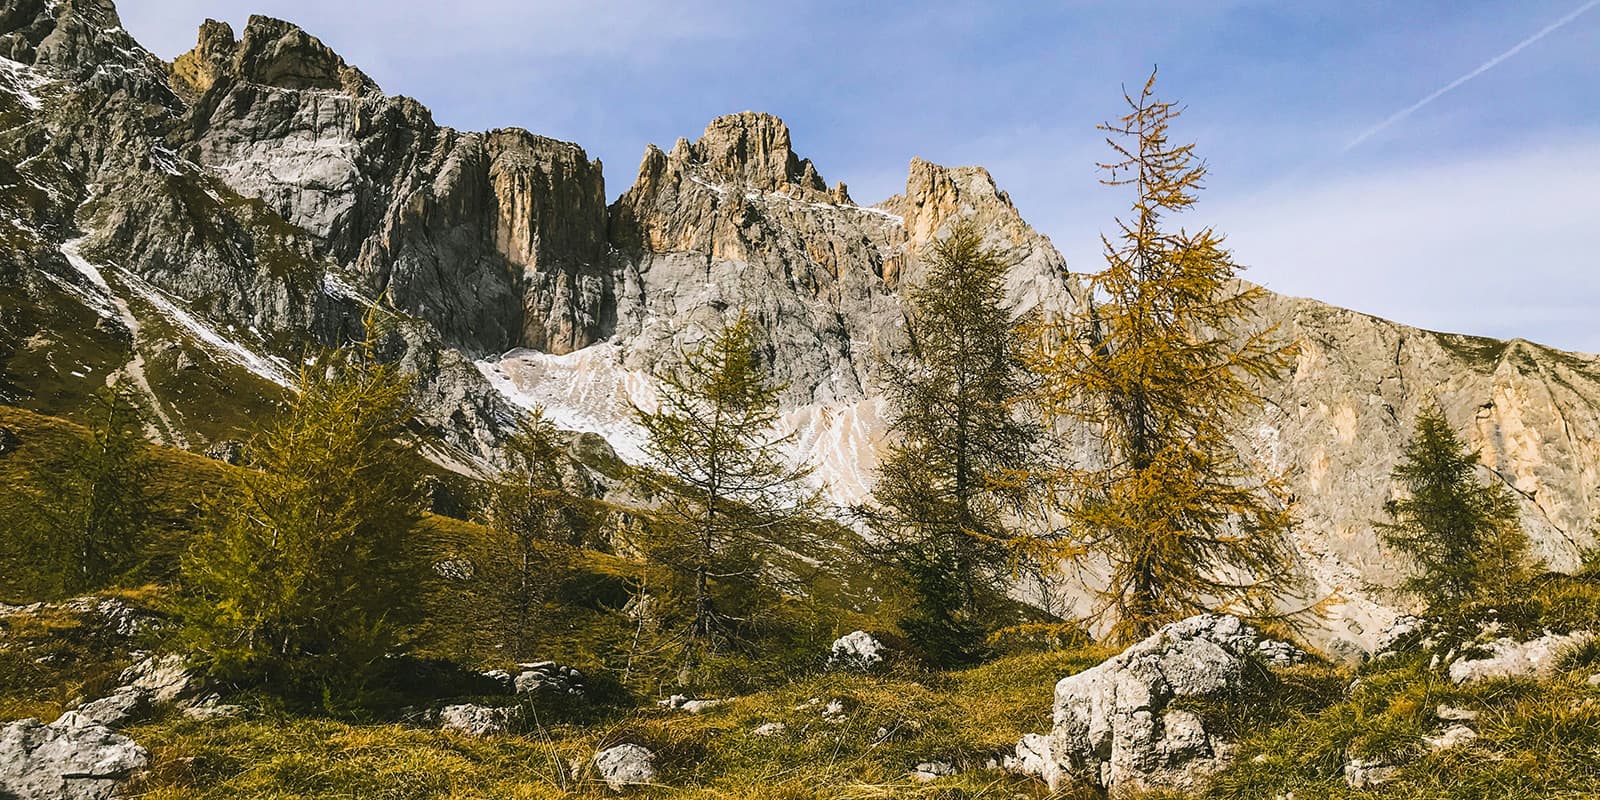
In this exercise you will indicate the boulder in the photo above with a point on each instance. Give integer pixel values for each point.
(1509, 658)
(859, 651)
(474, 720)
(501, 679)
(1405, 631)
(1115, 724)
(625, 765)
(770, 729)
(166, 679)
(73, 758)
(1032, 758)
(121, 707)
(550, 678)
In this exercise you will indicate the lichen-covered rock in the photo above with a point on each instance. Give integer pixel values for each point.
(1032, 758)
(858, 651)
(73, 758)
(475, 720)
(1509, 658)
(165, 679)
(125, 705)
(625, 765)
(1116, 726)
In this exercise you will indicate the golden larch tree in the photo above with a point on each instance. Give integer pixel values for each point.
(1161, 363)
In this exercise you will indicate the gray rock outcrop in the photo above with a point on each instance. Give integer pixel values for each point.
(1117, 725)
(625, 765)
(1508, 658)
(73, 758)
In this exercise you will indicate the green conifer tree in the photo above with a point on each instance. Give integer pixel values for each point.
(957, 435)
(1464, 536)
(305, 574)
(730, 493)
(1163, 363)
(92, 508)
(531, 510)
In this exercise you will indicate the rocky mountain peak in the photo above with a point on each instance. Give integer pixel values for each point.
(271, 52)
(936, 194)
(754, 150)
(83, 40)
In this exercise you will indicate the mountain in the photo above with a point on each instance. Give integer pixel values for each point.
(198, 226)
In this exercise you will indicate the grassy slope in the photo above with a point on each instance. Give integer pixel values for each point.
(1537, 739)
(891, 723)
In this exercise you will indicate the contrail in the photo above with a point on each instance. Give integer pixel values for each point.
(1482, 68)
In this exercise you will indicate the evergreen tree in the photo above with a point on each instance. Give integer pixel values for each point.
(1162, 364)
(304, 575)
(1464, 537)
(529, 507)
(91, 508)
(956, 436)
(729, 491)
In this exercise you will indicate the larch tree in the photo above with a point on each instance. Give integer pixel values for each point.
(1163, 364)
(1464, 537)
(956, 434)
(92, 507)
(529, 507)
(305, 574)
(729, 490)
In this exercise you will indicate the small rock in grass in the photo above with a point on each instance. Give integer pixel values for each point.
(858, 651)
(473, 720)
(1453, 736)
(933, 770)
(625, 765)
(1368, 773)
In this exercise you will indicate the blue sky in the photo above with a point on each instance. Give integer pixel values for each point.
(1477, 213)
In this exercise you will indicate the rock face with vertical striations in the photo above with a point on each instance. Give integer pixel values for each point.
(198, 226)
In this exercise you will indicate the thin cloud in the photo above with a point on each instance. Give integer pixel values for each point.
(1482, 68)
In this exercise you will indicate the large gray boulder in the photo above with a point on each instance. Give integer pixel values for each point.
(625, 765)
(73, 758)
(1117, 726)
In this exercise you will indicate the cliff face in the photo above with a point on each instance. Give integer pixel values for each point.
(195, 226)
(497, 239)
